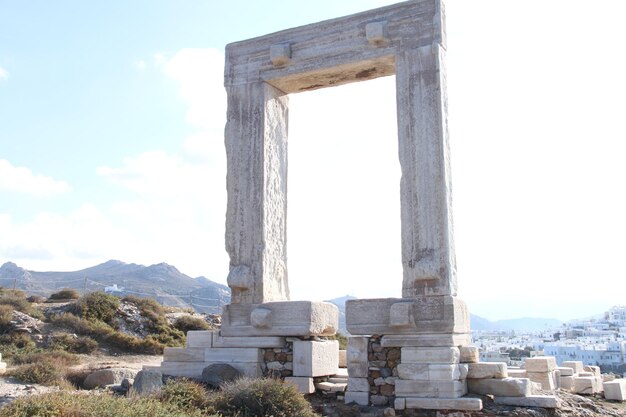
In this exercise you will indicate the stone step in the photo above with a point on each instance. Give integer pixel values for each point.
(331, 386)
(341, 372)
(543, 401)
(338, 379)
(465, 403)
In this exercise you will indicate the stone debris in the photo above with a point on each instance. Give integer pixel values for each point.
(147, 382)
(218, 373)
(615, 390)
(22, 322)
(110, 376)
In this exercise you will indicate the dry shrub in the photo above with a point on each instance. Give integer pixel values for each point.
(184, 394)
(6, 315)
(45, 373)
(260, 397)
(68, 404)
(65, 294)
(98, 306)
(73, 344)
(187, 323)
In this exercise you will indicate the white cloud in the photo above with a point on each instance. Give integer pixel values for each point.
(200, 74)
(4, 74)
(179, 198)
(53, 241)
(139, 65)
(23, 180)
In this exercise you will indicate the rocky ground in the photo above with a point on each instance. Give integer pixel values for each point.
(571, 406)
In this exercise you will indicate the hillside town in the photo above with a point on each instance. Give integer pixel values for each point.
(594, 341)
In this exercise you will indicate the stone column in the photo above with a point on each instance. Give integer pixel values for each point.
(256, 214)
(428, 260)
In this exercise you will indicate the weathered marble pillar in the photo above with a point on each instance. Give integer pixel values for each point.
(256, 215)
(427, 235)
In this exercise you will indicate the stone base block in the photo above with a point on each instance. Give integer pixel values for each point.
(420, 315)
(304, 385)
(315, 358)
(199, 354)
(540, 364)
(567, 383)
(430, 389)
(430, 355)
(435, 372)
(212, 338)
(469, 404)
(331, 386)
(358, 384)
(426, 340)
(357, 357)
(517, 373)
(505, 387)
(595, 370)
(588, 385)
(200, 338)
(220, 341)
(194, 369)
(361, 398)
(543, 401)
(282, 318)
(577, 366)
(615, 390)
(546, 379)
(469, 354)
(343, 358)
(485, 370)
(177, 354)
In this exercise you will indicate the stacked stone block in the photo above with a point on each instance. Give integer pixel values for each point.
(580, 379)
(513, 387)
(296, 360)
(543, 370)
(615, 390)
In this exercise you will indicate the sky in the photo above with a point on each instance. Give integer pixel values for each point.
(111, 147)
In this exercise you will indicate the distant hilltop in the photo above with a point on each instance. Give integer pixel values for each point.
(162, 281)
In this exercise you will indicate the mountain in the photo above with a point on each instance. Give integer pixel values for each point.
(340, 302)
(524, 324)
(162, 282)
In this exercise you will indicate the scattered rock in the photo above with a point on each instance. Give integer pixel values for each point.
(110, 376)
(21, 322)
(147, 382)
(218, 373)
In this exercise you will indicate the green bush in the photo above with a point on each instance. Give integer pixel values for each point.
(6, 315)
(57, 358)
(67, 404)
(98, 306)
(45, 373)
(16, 344)
(73, 344)
(260, 397)
(158, 326)
(82, 326)
(184, 394)
(106, 334)
(17, 300)
(186, 323)
(65, 294)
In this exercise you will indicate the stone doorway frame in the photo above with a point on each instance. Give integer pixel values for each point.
(406, 39)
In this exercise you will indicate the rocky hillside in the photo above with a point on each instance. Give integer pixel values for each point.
(162, 282)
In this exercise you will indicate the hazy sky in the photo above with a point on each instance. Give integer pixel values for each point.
(111, 147)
